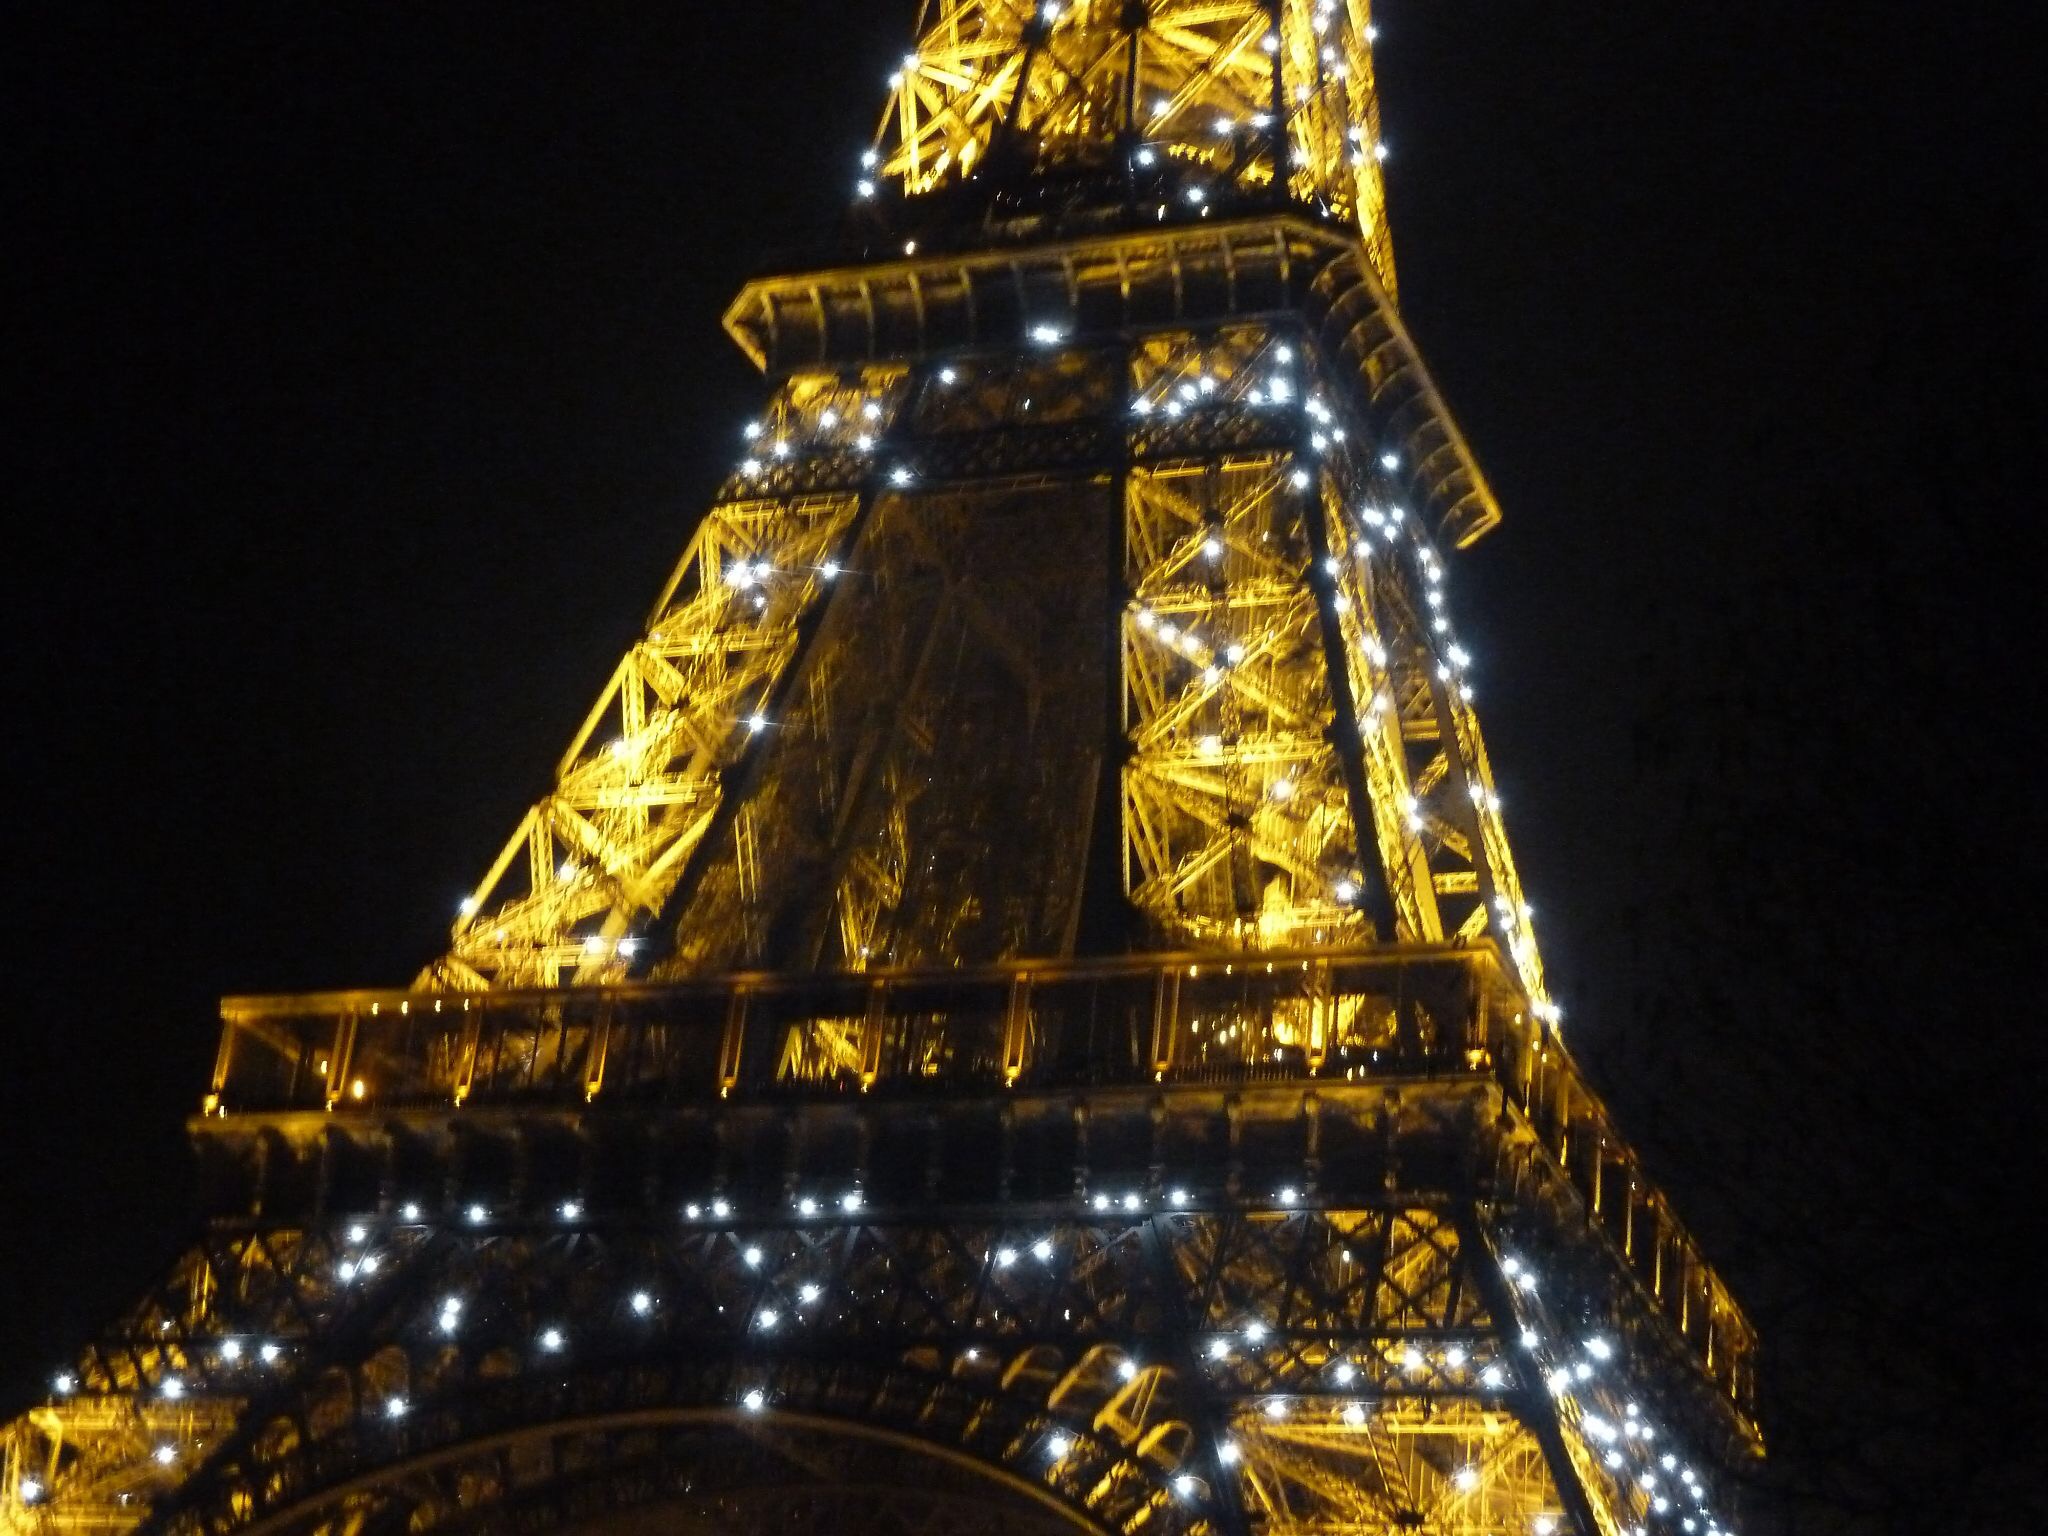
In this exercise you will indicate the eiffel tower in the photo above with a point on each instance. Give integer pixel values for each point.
(1017, 1012)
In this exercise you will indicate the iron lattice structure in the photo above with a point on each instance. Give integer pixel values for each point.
(1018, 1011)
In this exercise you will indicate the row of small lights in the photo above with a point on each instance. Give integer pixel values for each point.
(1617, 1446)
(1636, 1433)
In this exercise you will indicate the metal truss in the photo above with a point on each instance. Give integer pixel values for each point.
(829, 700)
(642, 778)
(1166, 1369)
(1186, 103)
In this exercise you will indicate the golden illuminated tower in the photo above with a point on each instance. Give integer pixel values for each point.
(1017, 1012)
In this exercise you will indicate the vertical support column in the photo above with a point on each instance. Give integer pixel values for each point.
(340, 1057)
(600, 1046)
(1165, 1021)
(1017, 1029)
(1346, 738)
(466, 1053)
(871, 1031)
(735, 1037)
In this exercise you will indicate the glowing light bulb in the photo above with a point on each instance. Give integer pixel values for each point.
(755, 1400)
(1058, 1446)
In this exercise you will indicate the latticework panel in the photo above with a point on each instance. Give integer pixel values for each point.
(642, 780)
(1190, 103)
(1137, 1364)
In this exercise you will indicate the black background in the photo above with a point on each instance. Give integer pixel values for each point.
(370, 381)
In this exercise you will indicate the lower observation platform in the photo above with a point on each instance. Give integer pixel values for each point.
(1328, 1077)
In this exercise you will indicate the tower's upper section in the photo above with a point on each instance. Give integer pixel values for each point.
(1186, 105)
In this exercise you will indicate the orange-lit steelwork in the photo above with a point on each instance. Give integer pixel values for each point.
(1018, 1011)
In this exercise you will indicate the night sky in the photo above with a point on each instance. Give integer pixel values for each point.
(370, 380)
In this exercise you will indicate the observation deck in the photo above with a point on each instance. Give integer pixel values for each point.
(1307, 1078)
